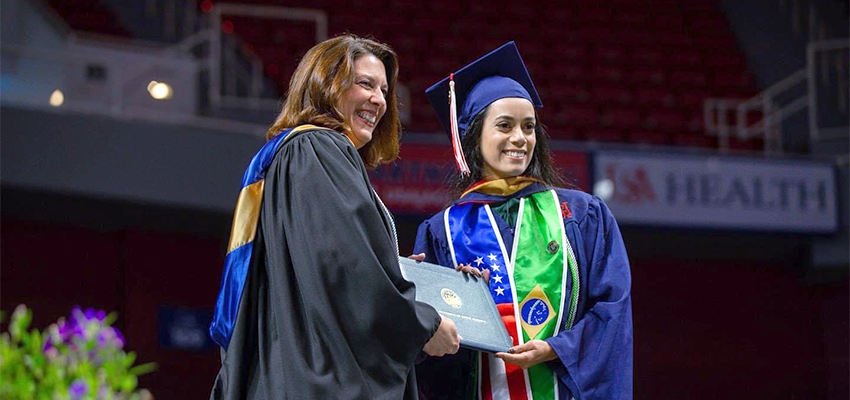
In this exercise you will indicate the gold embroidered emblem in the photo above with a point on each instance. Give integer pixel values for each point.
(450, 297)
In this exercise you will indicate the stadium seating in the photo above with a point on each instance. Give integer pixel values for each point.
(88, 16)
(622, 70)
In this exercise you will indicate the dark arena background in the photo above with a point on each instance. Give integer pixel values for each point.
(716, 130)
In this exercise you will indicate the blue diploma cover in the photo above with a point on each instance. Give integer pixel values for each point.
(463, 298)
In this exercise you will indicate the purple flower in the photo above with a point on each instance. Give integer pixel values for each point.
(109, 336)
(92, 314)
(71, 326)
(78, 389)
(104, 392)
(51, 353)
(76, 313)
(69, 331)
(119, 338)
(103, 337)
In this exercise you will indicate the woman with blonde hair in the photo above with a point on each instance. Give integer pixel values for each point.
(312, 302)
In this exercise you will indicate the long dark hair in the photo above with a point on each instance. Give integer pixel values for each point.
(541, 167)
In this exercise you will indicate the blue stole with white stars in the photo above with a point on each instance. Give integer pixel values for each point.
(481, 245)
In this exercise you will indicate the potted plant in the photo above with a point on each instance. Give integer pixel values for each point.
(80, 357)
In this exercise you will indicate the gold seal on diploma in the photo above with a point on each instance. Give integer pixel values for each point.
(450, 297)
(463, 298)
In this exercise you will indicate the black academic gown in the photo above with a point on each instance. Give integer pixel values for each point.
(325, 313)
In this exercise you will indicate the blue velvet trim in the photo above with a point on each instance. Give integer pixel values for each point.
(237, 261)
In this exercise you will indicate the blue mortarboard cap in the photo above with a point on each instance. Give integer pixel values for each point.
(497, 75)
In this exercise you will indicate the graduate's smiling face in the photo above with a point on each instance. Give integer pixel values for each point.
(507, 138)
(364, 103)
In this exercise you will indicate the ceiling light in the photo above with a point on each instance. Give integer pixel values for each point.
(57, 98)
(160, 90)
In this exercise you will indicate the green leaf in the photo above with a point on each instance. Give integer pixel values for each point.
(25, 387)
(111, 318)
(142, 369)
(129, 383)
(129, 359)
(25, 340)
(35, 342)
(21, 319)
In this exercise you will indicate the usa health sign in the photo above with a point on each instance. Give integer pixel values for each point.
(718, 192)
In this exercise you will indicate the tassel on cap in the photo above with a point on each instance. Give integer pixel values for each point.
(497, 75)
(460, 160)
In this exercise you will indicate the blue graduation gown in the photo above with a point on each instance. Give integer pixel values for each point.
(595, 356)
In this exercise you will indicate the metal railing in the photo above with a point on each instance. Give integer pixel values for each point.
(209, 50)
(223, 53)
(762, 105)
(841, 46)
(771, 114)
(116, 95)
(821, 63)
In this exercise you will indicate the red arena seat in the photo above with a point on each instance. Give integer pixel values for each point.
(620, 71)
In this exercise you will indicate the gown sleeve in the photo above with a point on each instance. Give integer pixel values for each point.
(425, 242)
(596, 354)
(431, 240)
(346, 318)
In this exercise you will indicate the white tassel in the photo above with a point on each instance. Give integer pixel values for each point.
(460, 160)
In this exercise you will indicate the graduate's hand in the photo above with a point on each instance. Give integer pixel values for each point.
(445, 340)
(529, 354)
(418, 257)
(469, 269)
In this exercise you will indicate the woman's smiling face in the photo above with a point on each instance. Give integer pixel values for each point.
(507, 138)
(364, 103)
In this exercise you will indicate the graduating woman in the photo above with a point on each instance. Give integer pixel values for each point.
(558, 269)
(312, 303)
